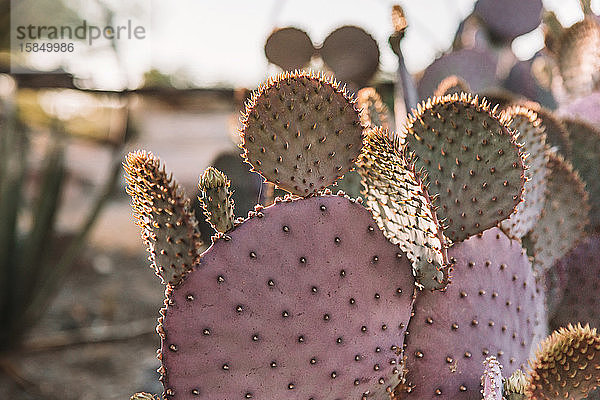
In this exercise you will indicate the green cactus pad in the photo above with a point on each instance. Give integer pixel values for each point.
(164, 214)
(216, 199)
(301, 131)
(474, 164)
(402, 207)
(533, 137)
(373, 111)
(585, 141)
(557, 135)
(567, 365)
(289, 48)
(450, 85)
(563, 218)
(579, 57)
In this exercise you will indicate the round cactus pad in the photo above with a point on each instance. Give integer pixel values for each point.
(301, 132)
(306, 300)
(352, 54)
(472, 159)
(492, 307)
(289, 48)
(532, 135)
(507, 19)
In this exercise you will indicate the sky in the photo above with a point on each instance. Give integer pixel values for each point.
(220, 43)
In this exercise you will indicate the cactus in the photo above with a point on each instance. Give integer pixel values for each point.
(492, 307)
(163, 213)
(563, 217)
(351, 42)
(578, 300)
(507, 19)
(216, 199)
(311, 127)
(373, 111)
(585, 141)
(289, 48)
(532, 135)
(318, 310)
(476, 67)
(566, 365)
(450, 85)
(313, 297)
(471, 157)
(514, 386)
(491, 380)
(402, 207)
(557, 135)
(579, 57)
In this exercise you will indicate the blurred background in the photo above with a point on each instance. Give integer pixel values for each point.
(78, 302)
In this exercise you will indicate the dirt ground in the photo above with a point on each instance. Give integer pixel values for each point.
(110, 300)
(97, 340)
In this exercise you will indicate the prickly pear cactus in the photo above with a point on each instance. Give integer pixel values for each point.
(306, 299)
(398, 198)
(450, 85)
(373, 112)
(216, 199)
(567, 365)
(279, 44)
(557, 135)
(563, 218)
(474, 163)
(310, 127)
(164, 214)
(492, 307)
(491, 380)
(532, 134)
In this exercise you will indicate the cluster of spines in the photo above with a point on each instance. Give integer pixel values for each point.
(491, 380)
(162, 211)
(288, 75)
(567, 365)
(466, 98)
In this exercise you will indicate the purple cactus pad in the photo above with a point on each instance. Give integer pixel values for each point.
(492, 307)
(306, 300)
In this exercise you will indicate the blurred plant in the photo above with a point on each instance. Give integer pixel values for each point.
(35, 256)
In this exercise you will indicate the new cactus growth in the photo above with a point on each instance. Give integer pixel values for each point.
(164, 215)
(514, 386)
(216, 199)
(491, 380)
(567, 365)
(311, 128)
(398, 198)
